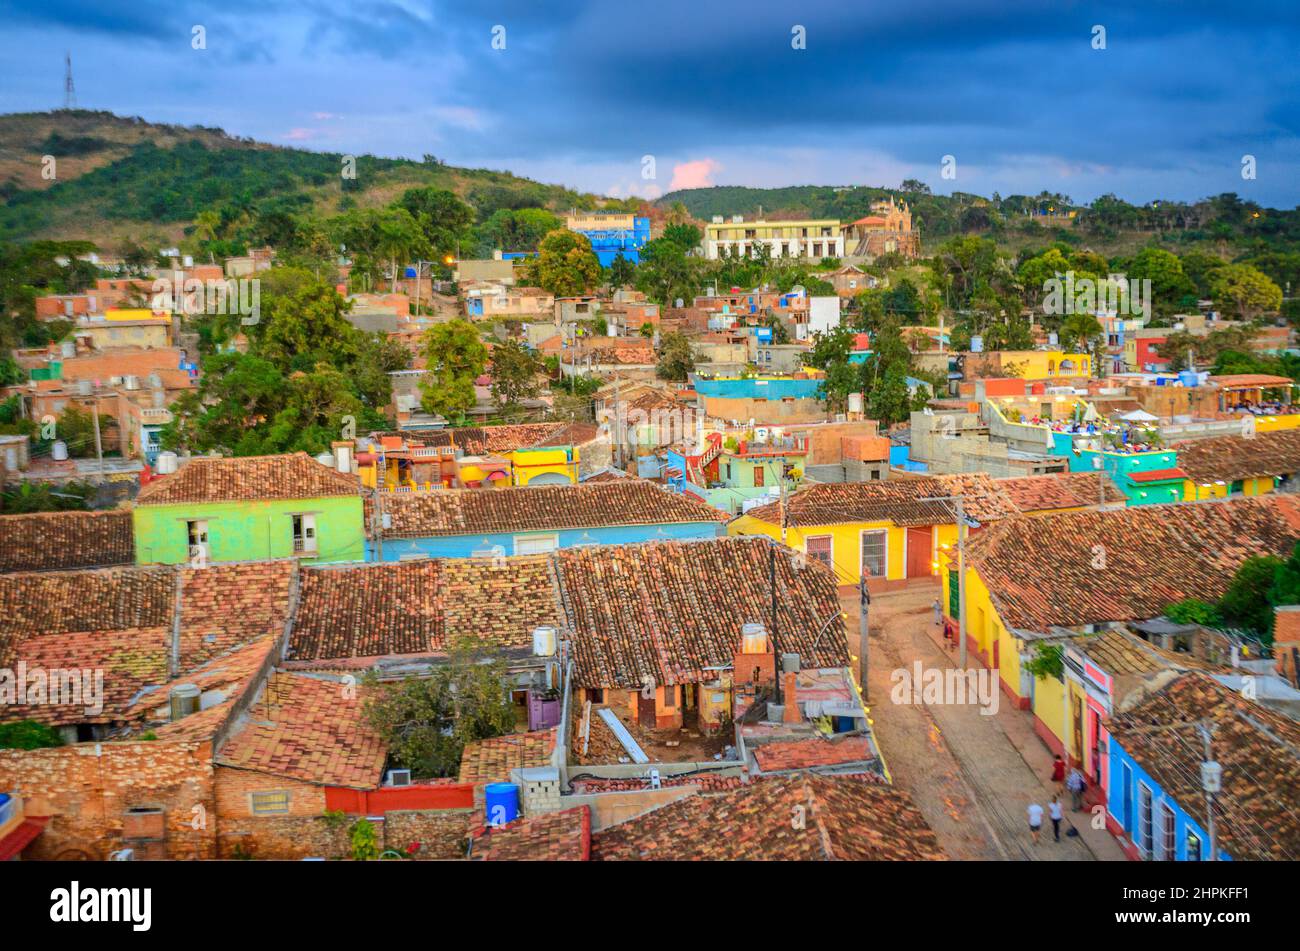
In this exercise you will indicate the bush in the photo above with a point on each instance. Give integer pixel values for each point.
(28, 735)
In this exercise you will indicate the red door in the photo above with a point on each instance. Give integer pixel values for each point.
(918, 552)
(645, 708)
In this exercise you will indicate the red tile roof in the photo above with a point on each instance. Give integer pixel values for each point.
(563, 836)
(805, 754)
(901, 501)
(61, 540)
(544, 508)
(492, 760)
(788, 818)
(485, 440)
(1229, 458)
(249, 478)
(1159, 475)
(1063, 491)
(104, 599)
(1257, 749)
(1130, 564)
(662, 612)
(307, 728)
(1266, 380)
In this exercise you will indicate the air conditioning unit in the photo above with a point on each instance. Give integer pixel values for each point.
(654, 779)
(397, 777)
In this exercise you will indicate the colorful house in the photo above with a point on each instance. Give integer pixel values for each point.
(1223, 466)
(1155, 800)
(459, 523)
(249, 508)
(884, 531)
(1031, 580)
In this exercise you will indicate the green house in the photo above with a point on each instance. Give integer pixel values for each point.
(250, 509)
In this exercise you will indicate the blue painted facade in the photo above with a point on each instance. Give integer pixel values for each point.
(464, 546)
(900, 458)
(609, 244)
(759, 389)
(1120, 466)
(1123, 797)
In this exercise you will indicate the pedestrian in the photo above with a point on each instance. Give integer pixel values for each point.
(1035, 820)
(1075, 783)
(1054, 812)
(938, 613)
(1058, 769)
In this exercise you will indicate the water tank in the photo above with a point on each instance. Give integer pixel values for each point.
(544, 641)
(976, 344)
(502, 802)
(59, 451)
(343, 458)
(1189, 378)
(326, 459)
(165, 464)
(855, 402)
(68, 348)
(85, 387)
(753, 639)
(184, 700)
(132, 382)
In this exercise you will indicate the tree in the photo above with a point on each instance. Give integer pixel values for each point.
(426, 722)
(515, 369)
(676, 358)
(1171, 289)
(442, 218)
(565, 264)
(1078, 331)
(1244, 291)
(666, 273)
(686, 235)
(622, 272)
(455, 357)
(28, 735)
(890, 400)
(518, 230)
(1246, 604)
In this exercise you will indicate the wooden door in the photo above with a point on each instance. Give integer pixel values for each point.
(645, 709)
(918, 552)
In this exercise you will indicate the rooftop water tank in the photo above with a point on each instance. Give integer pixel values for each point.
(59, 451)
(502, 802)
(544, 641)
(326, 459)
(753, 639)
(132, 382)
(68, 348)
(184, 699)
(1189, 378)
(165, 464)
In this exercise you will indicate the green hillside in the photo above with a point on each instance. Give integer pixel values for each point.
(123, 179)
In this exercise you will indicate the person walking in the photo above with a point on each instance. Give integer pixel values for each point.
(1054, 813)
(1035, 820)
(1075, 783)
(1058, 769)
(938, 613)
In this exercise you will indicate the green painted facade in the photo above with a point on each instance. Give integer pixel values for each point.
(250, 531)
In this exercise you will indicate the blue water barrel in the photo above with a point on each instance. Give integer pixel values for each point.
(502, 801)
(1188, 378)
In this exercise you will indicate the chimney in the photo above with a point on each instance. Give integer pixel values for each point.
(789, 696)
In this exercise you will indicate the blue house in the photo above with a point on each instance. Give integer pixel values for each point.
(464, 523)
(609, 243)
(1155, 802)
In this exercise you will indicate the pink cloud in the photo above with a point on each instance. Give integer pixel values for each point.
(696, 174)
(300, 134)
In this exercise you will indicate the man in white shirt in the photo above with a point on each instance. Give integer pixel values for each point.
(1035, 820)
(1054, 813)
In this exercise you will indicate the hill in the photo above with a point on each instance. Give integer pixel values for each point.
(119, 179)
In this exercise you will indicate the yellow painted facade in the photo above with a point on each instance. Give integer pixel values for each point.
(995, 645)
(1196, 492)
(1048, 364)
(846, 543)
(1275, 424)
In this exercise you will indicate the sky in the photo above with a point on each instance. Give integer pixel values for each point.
(1161, 100)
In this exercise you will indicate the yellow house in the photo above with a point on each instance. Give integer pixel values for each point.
(1239, 465)
(1048, 364)
(887, 531)
(1032, 581)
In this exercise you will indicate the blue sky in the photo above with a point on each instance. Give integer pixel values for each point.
(1014, 91)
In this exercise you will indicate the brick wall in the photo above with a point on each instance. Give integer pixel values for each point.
(87, 789)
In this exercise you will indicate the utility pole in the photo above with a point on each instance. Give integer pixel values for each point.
(1211, 783)
(776, 650)
(961, 579)
(69, 90)
(99, 446)
(380, 479)
(864, 604)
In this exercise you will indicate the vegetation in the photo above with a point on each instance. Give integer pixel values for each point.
(676, 359)
(28, 735)
(455, 357)
(427, 722)
(1260, 584)
(27, 497)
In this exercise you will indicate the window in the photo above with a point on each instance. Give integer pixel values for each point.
(758, 476)
(268, 803)
(1193, 846)
(820, 549)
(197, 535)
(670, 697)
(875, 547)
(1168, 828)
(536, 544)
(1144, 828)
(304, 534)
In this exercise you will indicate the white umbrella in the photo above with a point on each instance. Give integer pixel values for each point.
(1090, 414)
(1139, 416)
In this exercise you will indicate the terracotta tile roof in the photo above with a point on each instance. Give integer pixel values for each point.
(563, 836)
(706, 781)
(844, 818)
(1252, 379)
(483, 440)
(248, 478)
(664, 611)
(491, 760)
(420, 607)
(308, 728)
(1228, 458)
(225, 605)
(892, 500)
(805, 754)
(61, 540)
(1174, 474)
(1041, 571)
(544, 508)
(1064, 491)
(1258, 749)
(96, 600)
